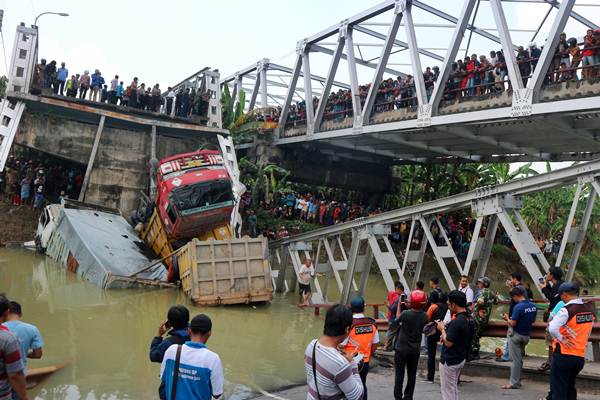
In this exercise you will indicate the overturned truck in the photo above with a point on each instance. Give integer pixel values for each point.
(183, 235)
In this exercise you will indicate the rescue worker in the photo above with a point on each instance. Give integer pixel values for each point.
(570, 330)
(482, 309)
(363, 338)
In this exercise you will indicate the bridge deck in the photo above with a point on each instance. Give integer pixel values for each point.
(116, 117)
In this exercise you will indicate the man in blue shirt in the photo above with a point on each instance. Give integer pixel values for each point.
(191, 371)
(97, 82)
(29, 336)
(61, 77)
(520, 321)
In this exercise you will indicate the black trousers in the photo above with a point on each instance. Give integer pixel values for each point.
(563, 374)
(169, 105)
(432, 342)
(364, 371)
(410, 362)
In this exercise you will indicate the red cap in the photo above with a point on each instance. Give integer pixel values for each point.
(417, 299)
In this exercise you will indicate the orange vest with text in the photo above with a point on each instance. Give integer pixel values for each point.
(578, 328)
(360, 338)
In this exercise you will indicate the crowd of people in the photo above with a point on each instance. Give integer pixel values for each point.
(25, 182)
(49, 78)
(307, 207)
(472, 76)
(455, 321)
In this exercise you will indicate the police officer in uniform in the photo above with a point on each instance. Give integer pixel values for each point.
(482, 309)
(570, 329)
(363, 338)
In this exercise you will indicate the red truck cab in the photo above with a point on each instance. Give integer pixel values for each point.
(194, 193)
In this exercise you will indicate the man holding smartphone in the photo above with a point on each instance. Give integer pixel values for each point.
(177, 321)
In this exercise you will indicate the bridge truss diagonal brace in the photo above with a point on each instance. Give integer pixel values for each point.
(336, 265)
(277, 276)
(383, 60)
(541, 69)
(385, 258)
(457, 36)
(413, 49)
(514, 73)
(333, 66)
(285, 108)
(347, 32)
(580, 231)
(438, 252)
(480, 248)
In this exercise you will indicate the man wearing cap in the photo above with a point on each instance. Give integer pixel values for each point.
(482, 309)
(520, 322)
(201, 378)
(570, 329)
(363, 338)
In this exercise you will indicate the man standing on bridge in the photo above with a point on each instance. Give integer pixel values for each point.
(482, 310)
(520, 323)
(363, 338)
(570, 330)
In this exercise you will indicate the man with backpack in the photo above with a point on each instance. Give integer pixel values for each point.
(202, 376)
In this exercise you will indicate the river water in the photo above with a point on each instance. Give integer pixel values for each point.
(104, 336)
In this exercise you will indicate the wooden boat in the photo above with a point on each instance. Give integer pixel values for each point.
(37, 375)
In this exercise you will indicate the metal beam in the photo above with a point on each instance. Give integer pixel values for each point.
(581, 230)
(396, 42)
(574, 15)
(457, 36)
(454, 20)
(333, 66)
(351, 62)
(90, 164)
(358, 61)
(413, 49)
(290, 94)
(398, 138)
(310, 113)
(541, 69)
(514, 73)
(255, 94)
(383, 60)
(313, 77)
(468, 134)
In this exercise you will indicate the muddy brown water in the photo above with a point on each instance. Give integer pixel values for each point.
(104, 336)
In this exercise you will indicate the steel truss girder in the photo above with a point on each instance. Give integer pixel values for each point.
(413, 49)
(514, 73)
(399, 139)
(437, 251)
(455, 41)
(321, 49)
(383, 60)
(582, 228)
(541, 70)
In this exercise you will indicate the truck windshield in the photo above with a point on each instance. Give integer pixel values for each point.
(202, 194)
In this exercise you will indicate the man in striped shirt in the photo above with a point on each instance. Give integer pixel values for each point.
(336, 373)
(12, 377)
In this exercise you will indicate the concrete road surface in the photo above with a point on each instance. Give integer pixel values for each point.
(381, 386)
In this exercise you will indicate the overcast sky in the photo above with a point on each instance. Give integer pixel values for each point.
(166, 41)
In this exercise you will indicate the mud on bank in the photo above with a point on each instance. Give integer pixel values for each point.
(17, 224)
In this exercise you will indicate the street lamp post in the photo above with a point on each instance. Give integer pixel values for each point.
(47, 13)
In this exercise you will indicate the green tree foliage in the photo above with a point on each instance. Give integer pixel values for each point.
(267, 181)
(227, 116)
(3, 83)
(239, 107)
